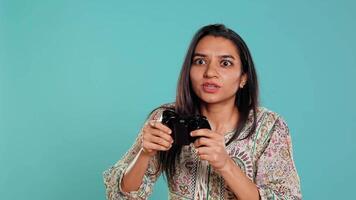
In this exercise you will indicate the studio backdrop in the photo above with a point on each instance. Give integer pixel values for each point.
(78, 79)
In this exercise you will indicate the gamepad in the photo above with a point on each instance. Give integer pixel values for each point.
(182, 126)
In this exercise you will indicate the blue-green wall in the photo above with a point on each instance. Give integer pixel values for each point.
(77, 79)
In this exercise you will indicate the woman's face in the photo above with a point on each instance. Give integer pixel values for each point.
(216, 71)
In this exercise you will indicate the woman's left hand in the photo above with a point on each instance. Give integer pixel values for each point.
(211, 147)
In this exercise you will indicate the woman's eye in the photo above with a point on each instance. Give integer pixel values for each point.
(226, 63)
(199, 61)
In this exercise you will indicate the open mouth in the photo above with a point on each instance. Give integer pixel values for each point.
(210, 88)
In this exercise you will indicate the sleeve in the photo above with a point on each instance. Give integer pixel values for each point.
(276, 176)
(113, 176)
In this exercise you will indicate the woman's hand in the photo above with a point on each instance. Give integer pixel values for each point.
(156, 137)
(211, 147)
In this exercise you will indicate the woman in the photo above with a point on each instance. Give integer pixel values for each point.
(247, 154)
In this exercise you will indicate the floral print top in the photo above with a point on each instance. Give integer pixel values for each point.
(265, 157)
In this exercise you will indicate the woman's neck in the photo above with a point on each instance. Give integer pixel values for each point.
(222, 117)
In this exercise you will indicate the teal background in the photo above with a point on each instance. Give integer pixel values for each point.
(78, 78)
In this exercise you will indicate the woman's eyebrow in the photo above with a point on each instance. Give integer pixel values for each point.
(199, 54)
(227, 56)
(221, 56)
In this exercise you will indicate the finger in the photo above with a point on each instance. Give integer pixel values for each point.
(202, 132)
(159, 141)
(203, 141)
(163, 127)
(152, 123)
(158, 125)
(205, 157)
(155, 147)
(163, 135)
(204, 151)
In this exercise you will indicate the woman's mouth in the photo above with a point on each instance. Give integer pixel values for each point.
(210, 87)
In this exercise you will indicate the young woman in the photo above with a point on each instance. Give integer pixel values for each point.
(247, 154)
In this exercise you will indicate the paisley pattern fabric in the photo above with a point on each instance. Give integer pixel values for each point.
(266, 158)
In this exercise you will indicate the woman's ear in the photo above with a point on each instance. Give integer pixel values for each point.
(243, 80)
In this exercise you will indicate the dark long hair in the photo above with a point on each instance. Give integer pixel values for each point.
(187, 103)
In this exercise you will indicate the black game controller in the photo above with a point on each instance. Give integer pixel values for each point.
(182, 126)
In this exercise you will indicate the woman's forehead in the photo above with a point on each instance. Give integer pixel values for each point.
(215, 46)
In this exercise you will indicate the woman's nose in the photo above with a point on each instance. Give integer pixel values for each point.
(210, 70)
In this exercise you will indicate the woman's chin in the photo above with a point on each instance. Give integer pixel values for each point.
(210, 100)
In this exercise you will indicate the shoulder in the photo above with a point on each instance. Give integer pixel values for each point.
(272, 123)
(271, 126)
(267, 115)
(269, 122)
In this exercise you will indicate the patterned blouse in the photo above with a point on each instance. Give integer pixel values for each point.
(265, 157)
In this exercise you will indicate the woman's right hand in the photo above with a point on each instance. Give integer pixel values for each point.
(156, 137)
